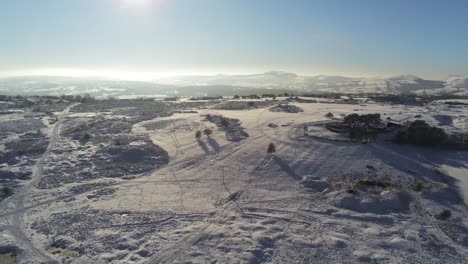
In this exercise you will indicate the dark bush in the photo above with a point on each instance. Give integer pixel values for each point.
(6, 191)
(117, 142)
(224, 122)
(198, 134)
(418, 187)
(362, 134)
(444, 215)
(271, 148)
(355, 119)
(373, 183)
(86, 137)
(420, 133)
(208, 132)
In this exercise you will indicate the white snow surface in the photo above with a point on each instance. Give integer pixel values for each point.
(219, 201)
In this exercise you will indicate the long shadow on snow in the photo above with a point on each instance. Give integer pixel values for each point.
(214, 144)
(444, 120)
(203, 146)
(329, 157)
(285, 167)
(406, 158)
(423, 161)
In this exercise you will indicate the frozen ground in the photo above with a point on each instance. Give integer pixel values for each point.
(142, 189)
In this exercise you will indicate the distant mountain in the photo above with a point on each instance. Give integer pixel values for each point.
(410, 83)
(277, 80)
(454, 85)
(214, 85)
(401, 84)
(51, 85)
(269, 79)
(457, 81)
(319, 83)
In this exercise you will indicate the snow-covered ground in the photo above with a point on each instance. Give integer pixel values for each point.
(218, 200)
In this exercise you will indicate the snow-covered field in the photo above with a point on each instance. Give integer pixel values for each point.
(130, 183)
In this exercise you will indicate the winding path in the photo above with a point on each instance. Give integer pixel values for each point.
(14, 222)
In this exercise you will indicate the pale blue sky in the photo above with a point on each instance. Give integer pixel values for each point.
(348, 37)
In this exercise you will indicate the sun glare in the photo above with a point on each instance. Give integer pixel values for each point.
(138, 3)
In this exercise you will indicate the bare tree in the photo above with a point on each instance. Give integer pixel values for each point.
(208, 132)
(198, 134)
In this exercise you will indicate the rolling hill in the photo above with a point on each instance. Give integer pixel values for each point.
(228, 85)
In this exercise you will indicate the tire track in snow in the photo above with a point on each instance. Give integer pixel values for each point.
(15, 221)
(171, 253)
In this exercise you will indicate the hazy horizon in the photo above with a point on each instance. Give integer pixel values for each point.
(145, 76)
(147, 39)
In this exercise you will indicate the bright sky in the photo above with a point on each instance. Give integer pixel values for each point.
(166, 37)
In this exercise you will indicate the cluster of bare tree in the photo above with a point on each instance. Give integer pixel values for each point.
(421, 133)
(362, 134)
(207, 132)
(361, 120)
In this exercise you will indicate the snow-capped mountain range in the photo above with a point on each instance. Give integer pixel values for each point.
(326, 83)
(274, 81)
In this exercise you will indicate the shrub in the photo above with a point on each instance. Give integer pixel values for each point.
(271, 148)
(420, 133)
(198, 134)
(6, 191)
(444, 215)
(355, 119)
(208, 132)
(362, 134)
(86, 137)
(225, 122)
(329, 115)
(373, 183)
(418, 187)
